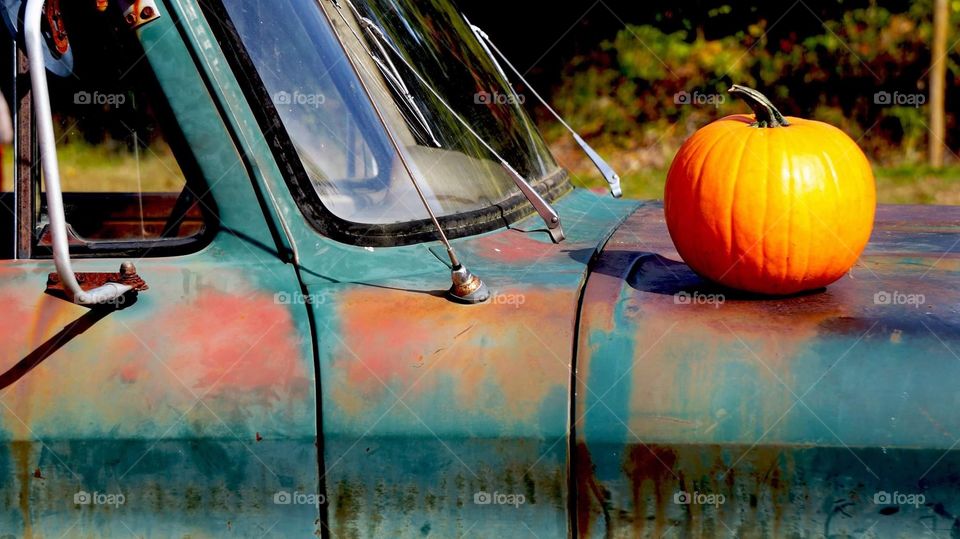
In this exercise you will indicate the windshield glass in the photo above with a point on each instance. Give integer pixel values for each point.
(357, 170)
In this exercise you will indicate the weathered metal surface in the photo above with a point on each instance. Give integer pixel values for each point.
(427, 402)
(484, 406)
(797, 411)
(197, 402)
(162, 402)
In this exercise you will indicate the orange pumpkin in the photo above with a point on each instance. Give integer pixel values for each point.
(770, 204)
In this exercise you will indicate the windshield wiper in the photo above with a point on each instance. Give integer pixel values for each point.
(550, 217)
(466, 287)
(606, 170)
(392, 74)
(394, 79)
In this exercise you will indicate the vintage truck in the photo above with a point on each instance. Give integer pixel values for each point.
(273, 348)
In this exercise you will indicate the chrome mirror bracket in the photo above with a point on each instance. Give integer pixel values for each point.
(104, 293)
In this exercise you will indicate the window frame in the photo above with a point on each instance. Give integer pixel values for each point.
(27, 180)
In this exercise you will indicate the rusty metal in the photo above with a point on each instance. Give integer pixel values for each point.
(90, 281)
(483, 391)
(467, 287)
(25, 150)
(137, 13)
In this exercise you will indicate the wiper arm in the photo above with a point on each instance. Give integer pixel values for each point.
(392, 74)
(466, 287)
(605, 169)
(550, 217)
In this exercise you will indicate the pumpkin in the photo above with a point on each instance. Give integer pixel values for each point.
(769, 204)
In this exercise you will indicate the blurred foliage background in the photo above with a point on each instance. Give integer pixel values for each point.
(636, 79)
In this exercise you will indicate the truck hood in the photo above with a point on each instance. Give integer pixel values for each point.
(822, 411)
(680, 359)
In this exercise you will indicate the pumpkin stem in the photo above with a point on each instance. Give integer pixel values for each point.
(767, 115)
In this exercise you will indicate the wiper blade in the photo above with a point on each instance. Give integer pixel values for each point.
(550, 216)
(605, 169)
(392, 74)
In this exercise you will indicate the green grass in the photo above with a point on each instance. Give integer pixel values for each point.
(98, 168)
(903, 184)
(918, 184)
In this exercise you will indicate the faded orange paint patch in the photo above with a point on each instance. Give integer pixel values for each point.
(26, 329)
(222, 344)
(26, 326)
(504, 356)
(136, 372)
(513, 247)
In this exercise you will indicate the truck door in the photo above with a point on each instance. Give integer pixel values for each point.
(188, 409)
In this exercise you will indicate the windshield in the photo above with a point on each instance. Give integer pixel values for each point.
(360, 170)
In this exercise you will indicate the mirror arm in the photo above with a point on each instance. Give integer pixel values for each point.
(109, 292)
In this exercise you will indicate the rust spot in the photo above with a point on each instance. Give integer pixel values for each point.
(656, 473)
(349, 503)
(89, 281)
(650, 470)
(259, 438)
(257, 349)
(591, 496)
(21, 455)
(37, 474)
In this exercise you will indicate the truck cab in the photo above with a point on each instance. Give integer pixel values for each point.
(275, 190)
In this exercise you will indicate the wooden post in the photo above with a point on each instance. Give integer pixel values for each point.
(938, 73)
